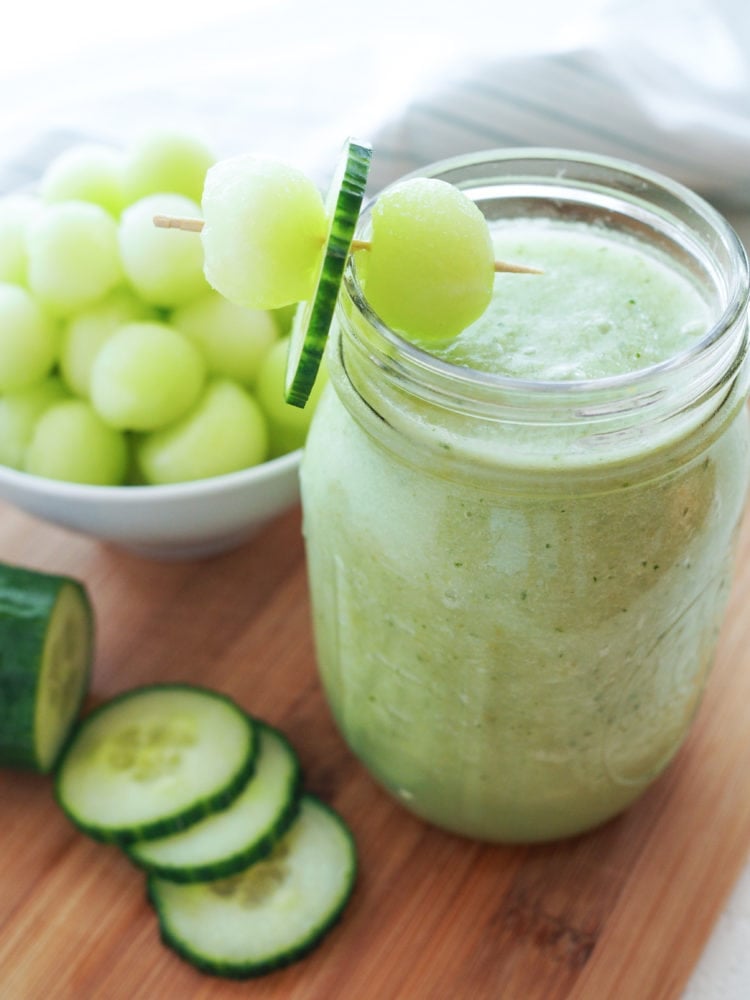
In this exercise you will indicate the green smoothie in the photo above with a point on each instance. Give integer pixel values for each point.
(602, 307)
(514, 620)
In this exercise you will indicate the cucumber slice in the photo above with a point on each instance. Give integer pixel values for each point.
(228, 841)
(46, 653)
(313, 319)
(273, 912)
(154, 760)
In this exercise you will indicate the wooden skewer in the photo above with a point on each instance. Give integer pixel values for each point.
(195, 226)
(173, 222)
(503, 266)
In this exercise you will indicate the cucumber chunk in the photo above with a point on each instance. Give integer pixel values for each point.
(46, 654)
(270, 914)
(313, 319)
(229, 840)
(154, 760)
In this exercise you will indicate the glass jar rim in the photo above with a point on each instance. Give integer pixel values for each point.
(419, 362)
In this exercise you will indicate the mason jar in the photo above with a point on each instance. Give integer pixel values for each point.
(517, 585)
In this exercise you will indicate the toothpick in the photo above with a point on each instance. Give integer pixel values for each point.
(195, 226)
(502, 266)
(173, 222)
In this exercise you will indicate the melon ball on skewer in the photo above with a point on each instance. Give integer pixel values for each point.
(263, 234)
(430, 268)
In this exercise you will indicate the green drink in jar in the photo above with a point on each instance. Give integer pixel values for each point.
(520, 539)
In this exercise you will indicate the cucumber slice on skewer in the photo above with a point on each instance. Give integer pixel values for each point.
(313, 319)
(270, 914)
(154, 760)
(229, 840)
(46, 652)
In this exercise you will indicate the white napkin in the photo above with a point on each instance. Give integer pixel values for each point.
(663, 82)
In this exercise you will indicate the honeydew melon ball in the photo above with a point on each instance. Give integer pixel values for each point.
(85, 333)
(265, 225)
(287, 425)
(71, 442)
(164, 266)
(223, 433)
(233, 340)
(284, 316)
(19, 412)
(17, 212)
(167, 160)
(86, 172)
(73, 255)
(29, 339)
(430, 269)
(145, 376)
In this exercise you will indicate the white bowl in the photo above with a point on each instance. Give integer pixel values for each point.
(180, 521)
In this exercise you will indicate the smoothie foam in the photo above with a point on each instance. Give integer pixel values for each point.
(602, 307)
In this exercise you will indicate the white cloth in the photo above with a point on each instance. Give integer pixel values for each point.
(664, 82)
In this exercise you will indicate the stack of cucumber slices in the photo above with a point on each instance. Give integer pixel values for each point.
(245, 870)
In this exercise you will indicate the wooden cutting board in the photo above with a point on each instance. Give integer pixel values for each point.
(621, 913)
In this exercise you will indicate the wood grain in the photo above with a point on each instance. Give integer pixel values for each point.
(623, 912)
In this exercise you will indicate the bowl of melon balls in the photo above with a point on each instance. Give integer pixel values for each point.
(163, 321)
(138, 403)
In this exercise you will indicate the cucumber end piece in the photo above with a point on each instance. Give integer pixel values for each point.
(46, 657)
(65, 676)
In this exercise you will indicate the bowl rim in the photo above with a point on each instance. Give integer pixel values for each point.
(27, 482)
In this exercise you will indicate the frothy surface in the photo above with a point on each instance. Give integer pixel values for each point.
(604, 306)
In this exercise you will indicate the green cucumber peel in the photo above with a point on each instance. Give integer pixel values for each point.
(313, 319)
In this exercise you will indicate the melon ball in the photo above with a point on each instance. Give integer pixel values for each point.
(163, 266)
